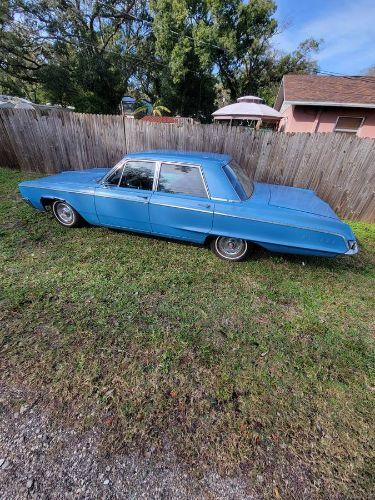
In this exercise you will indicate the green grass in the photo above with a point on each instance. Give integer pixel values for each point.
(263, 367)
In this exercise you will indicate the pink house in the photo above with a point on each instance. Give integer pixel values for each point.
(314, 103)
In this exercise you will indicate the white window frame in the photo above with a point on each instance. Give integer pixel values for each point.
(348, 130)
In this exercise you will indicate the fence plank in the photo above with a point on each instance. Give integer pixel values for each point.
(339, 167)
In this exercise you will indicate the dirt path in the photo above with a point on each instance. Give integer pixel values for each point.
(40, 461)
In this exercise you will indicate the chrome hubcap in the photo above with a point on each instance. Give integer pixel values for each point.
(232, 247)
(65, 213)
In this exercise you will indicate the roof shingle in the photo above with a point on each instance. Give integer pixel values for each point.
(159, 119)
(333, 89)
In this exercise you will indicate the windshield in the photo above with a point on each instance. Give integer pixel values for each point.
(239, 180)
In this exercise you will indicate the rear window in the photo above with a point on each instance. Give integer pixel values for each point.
(239, 180)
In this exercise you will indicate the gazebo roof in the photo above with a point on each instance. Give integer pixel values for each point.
(247, 108)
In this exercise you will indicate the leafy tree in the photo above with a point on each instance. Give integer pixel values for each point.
(229, 39)
(186, 53)
(80, 52)
(157, 109)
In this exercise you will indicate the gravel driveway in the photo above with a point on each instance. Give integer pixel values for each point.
(38, 460)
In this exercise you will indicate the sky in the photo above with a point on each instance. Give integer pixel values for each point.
(346, 26)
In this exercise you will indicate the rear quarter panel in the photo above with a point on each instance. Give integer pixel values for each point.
(279, 230)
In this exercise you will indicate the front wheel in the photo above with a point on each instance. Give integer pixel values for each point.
(234, 249)
(65, 214)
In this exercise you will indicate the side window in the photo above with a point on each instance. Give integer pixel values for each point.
(138, 175)
(181, 179)
(115, 177)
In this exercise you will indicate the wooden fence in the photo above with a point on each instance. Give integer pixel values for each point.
(339, 167)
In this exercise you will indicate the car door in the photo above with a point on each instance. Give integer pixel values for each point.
(180, 206)
(122, 200)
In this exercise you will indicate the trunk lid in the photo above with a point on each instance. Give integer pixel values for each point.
(303, 200)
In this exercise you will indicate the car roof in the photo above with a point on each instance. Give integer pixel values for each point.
(198, 157)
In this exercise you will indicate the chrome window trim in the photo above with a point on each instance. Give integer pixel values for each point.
(238, 180)
(184, 164)
(156, 176)
(122, 164)
(205, 182)
(118, 165)
(158, 163)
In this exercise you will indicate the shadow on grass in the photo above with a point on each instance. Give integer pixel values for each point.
(360, 264)
(357, 263)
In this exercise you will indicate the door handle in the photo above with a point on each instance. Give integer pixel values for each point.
(204, 205)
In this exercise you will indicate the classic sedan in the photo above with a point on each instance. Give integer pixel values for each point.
(198, 197)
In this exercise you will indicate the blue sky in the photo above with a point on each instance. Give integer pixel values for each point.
(347, 27)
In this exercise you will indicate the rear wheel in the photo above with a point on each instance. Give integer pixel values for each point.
(65, 214)
(227, 248)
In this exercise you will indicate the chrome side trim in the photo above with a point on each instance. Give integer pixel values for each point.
(282, 224)
(122, 198)
(182, 208)
(226, 200)
(64, 190)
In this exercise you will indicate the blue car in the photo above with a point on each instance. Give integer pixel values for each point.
(197, 197)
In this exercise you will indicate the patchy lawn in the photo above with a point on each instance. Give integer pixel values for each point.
(263, 368)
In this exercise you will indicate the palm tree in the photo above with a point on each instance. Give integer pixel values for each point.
(157, 109)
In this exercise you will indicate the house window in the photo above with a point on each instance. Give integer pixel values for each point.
(348, 124)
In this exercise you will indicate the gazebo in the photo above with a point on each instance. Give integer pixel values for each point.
(249, 109)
